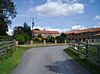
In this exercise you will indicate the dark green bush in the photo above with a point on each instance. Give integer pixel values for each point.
(20, 38)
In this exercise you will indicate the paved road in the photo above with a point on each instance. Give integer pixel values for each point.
(48, 60)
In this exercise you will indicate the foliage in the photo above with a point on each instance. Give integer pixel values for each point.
(38, 39)
(6, 38)
(50, 39)
(61, 38)
(90, 66)
(7, 11)
(63, 35)
(20, 38)
(37, 29)
(9, 64)
(22, 34)
(18, 30)
(27, 29)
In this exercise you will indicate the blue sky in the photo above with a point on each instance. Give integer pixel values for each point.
(60, 15)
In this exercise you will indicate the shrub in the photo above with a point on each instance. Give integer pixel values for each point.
(20, 38)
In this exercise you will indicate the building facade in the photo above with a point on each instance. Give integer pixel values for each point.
(46, 33)
(82, 35)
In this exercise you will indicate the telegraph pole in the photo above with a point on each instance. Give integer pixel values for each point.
(32, 27)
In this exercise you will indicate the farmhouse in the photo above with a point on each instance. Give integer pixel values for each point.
(91, 34)
(45, 33)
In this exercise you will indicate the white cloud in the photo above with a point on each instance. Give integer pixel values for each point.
(79, 27)
(97, 17)
(59, 8)
(10, 32)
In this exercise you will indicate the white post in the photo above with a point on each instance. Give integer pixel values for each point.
(55, 41)
(16, 43)
(44, 41)
(81, 40)
(65, 41)
(31, 42)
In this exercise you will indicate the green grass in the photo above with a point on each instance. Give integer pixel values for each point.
(9, 64)
(89, 66)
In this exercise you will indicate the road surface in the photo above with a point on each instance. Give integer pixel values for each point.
(48, 60)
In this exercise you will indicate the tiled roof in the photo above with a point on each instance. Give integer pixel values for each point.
(45, 32)
(71, 32)
(83, 31)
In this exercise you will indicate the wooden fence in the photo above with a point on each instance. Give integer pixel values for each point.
(87, 51)
(6, 48)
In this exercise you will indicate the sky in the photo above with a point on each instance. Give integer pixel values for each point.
(60, 15)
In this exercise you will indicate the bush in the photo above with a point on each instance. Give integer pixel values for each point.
(38, 39)
(60, 39)
(20, 38)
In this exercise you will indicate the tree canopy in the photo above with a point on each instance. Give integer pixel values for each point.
(22, 33)
(7, 12)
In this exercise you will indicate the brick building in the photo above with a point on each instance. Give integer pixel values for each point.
(46, 33)
(90, 34)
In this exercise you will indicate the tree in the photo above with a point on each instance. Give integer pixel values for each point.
(63, 35)
(27, 29)
(7, 11)
(22, 33)
(37, 29)
(18, 30)
(61, 38)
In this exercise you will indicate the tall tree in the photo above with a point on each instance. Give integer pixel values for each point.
(27, 29)
(22, 33)
(7, 12)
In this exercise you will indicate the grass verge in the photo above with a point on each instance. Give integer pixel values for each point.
(89, 66)
(9, 64)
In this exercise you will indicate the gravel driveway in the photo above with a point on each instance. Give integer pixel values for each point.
(48, 60)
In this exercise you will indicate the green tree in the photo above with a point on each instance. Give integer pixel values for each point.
(27, 30)
(18, 30)
(63, 35)
(22, 33)
(20, 38)
(37, 29)
(7, 11)
(61, 38)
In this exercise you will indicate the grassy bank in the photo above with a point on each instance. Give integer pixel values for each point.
(89, 66)
(9, 64)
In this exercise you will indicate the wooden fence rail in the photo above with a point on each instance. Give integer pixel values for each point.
(90, 52)
(6, 48)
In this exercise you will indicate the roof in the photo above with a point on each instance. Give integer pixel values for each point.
(45, 32)
(83, 31)
(71, 32)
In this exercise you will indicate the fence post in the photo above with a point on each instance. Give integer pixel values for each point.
(86, 50)
(16, 43)
(55, 41)
(78, 47)
(65, 41)
(44, 41)
(31, 42)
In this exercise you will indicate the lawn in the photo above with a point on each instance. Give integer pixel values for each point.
(89, 66)
(9, 64)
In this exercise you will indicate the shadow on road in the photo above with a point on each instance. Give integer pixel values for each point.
(67, 67)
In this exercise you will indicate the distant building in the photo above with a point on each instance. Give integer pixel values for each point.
(91, 34)
(46, 33)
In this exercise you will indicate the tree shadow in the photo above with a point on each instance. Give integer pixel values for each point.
(69, 66)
